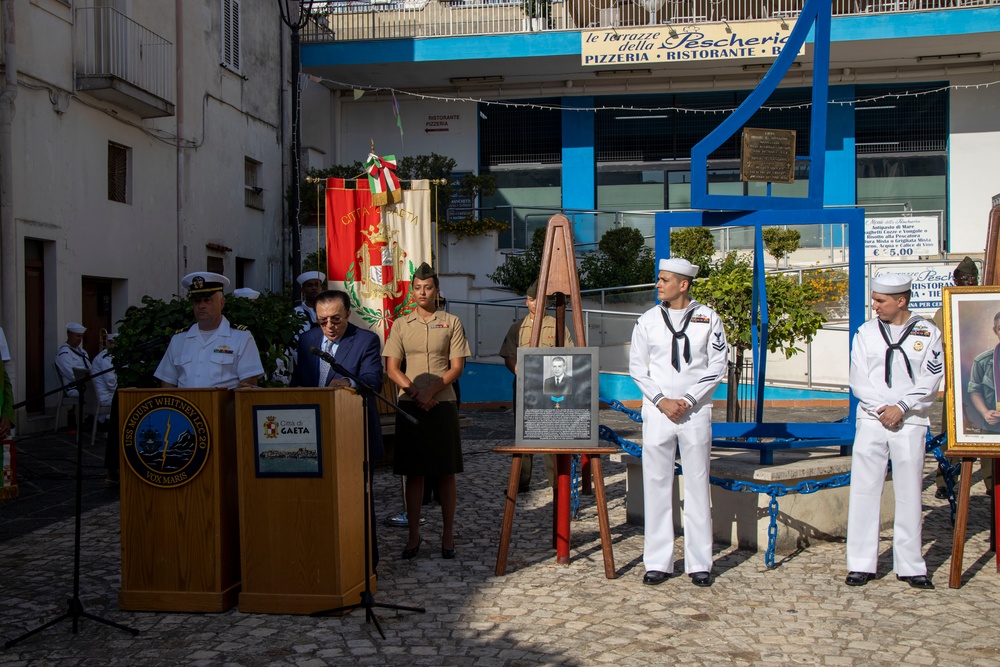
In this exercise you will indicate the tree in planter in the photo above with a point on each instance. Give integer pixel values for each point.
(310, 191)
(270, 319)
(472, 186)
(315, 261)
(538, 9)
(793, 317)
(622, 258)
(780, 242)
(696, 245)
(473, 226)
(518, 271)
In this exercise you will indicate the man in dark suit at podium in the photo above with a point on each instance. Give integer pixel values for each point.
(356, 350)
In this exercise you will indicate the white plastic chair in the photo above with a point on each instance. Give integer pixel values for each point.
(91, 402)
(64, 399)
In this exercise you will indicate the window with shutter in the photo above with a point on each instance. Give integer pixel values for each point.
(231, 35)
(118, 172)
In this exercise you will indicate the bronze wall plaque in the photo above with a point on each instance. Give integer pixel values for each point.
(768, 156)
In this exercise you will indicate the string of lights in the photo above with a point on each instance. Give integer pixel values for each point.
(362, 89)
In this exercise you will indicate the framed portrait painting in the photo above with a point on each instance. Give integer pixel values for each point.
(972, 370)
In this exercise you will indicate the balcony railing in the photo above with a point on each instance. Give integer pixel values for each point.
(122, 61)
(348, 20)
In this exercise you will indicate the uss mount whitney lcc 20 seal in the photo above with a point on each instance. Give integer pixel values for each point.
(165, 440)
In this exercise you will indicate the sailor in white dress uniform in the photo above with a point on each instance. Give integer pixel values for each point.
(679, 355)
(72, 355)
(896, 368)
(311, 283)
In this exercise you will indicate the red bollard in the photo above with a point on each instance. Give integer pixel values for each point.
(585, 489)
(563, 464)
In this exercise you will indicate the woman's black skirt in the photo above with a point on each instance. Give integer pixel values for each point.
(433, 446)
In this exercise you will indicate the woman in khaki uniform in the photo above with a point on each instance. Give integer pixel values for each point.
(431, 345)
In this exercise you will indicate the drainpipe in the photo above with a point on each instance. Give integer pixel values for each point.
(285, 227)
(179, 90)
(8, 251)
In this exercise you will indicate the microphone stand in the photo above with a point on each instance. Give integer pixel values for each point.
(367, 601)
(75, 610)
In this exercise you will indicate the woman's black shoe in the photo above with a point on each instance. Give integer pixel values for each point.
(410, 554)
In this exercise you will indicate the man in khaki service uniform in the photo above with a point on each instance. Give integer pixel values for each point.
(966, 275)
(519, 335)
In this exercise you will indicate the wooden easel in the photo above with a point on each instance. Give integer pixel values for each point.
(962, 515)
(559, 277)
(991, 272)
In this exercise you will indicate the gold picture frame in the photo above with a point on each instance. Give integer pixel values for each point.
(971, 342)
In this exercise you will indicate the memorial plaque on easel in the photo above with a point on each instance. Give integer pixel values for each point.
(557, 397)
(559, 278)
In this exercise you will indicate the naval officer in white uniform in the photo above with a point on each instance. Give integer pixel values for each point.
(896, 368)
(211, 353)
(678, 358)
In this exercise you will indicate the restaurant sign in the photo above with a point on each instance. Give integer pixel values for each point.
(692, 43)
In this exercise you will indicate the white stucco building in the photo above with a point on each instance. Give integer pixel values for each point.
(139, 141)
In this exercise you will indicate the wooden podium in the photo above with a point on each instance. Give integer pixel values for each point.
(179, 506)
(301, 536)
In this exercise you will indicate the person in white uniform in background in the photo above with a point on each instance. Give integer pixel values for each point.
(312, 283)
(679, 356)
(4, 350)
(896, 368)
(211, 353)
(105, 382)
(246, 293)
(72, 355)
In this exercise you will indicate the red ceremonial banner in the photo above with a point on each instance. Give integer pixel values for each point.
(371, 250)
(347, 213)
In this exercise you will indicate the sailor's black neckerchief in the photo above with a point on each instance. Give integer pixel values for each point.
(898, 345)
(679, 335)
(81, 354)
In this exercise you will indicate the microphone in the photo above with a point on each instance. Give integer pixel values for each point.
(328, 358)
(325, 356)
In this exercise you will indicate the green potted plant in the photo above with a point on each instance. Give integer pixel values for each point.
(145, 332)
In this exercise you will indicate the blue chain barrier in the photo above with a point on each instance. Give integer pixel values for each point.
(634, 415)
(935, 445)
(775, 491)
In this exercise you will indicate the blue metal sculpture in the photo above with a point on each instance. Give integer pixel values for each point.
(769, 210)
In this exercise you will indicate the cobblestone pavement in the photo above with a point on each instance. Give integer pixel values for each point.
(538, 613)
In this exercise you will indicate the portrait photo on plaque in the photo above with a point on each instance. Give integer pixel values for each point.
(972, 369)
(287, 441)
(557, 395)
